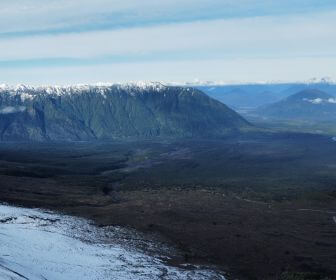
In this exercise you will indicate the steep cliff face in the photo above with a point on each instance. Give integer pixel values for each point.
(112, 112)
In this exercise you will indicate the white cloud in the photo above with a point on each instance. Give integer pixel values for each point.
(266, 36)
(25, 15)
(250, 49)
(228, 70)
(314, 101)
(10, 110)
(320, 100)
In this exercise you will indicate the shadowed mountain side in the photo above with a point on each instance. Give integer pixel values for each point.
(112, 112)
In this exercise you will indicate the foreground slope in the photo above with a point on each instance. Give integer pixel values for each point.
(39, 245)
(113, 111)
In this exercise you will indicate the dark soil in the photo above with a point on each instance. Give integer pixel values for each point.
(248, 207)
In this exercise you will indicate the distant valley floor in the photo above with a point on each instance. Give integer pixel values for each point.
(260, 206)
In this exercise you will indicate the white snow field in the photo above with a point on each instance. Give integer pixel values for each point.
(36, 244)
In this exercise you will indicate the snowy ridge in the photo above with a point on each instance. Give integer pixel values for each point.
(149, 85)
(28, 91)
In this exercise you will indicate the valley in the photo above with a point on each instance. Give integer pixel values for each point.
(238, 202)
(252, 196)
(167, 140)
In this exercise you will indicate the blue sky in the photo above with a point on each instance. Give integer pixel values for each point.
(85, 41)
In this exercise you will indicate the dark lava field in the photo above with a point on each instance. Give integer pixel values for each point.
(259, 206)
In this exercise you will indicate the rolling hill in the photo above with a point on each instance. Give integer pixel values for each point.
(308, 105)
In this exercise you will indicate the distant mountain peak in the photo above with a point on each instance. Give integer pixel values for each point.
(323, 80)
(308, 104)
(314, 96)
(310, 94)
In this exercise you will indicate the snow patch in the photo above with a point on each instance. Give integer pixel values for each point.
(38, 245)
(26, 96)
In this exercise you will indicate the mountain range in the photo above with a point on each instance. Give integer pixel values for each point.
(308, 105)
(143, 110)
(251, 96)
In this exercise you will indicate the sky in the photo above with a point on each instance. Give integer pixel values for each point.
(85, 41)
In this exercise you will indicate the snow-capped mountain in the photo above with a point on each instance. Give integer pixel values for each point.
(323, 80)
(109, 111)
(198, 82)
(133, 87)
